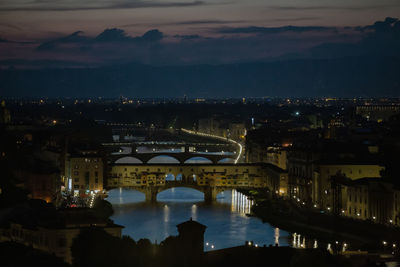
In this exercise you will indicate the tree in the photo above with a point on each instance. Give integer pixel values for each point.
(95, 247)
(103, 208)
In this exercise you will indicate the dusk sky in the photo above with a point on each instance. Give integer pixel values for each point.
(48, 34)
(42, 19)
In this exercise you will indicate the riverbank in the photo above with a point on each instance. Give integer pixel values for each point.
(328, 228)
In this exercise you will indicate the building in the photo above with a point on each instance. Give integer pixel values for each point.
(237, 131)
(368, 199)
(191, 238)
(377, 112)
(277, 156)
(5, 116)
(209, 126)
(255, 152)
(41, 179)
(84, 172)
(322, 190)
(49, 230)
(301, 164)
(277, 180)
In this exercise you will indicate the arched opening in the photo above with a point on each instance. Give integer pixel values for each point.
(163, 159)
(120, 196)
(129, 160)
(169, 177)
(226, 160)
(180, 194)
(198, 160)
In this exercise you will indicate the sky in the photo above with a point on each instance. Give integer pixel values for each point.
(43, 19)
(76, 33)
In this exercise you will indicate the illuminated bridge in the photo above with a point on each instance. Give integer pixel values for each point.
(174, 157)
(210, 179)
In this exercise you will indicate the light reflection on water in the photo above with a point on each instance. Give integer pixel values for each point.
(227, 224)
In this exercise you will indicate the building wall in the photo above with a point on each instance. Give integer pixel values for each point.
(277, 181)
(237, 131)
(85, 173)
(396, 207)
(277, 157)
(357, 202)
(321, 183)
(372, 200)
(45, 186)
(301, 166)
(376, 112)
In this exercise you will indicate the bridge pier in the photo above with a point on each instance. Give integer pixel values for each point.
(210, 195)
(151, 194)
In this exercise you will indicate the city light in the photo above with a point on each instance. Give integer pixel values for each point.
(220, 138)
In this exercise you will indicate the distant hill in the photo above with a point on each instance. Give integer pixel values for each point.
(341, 77)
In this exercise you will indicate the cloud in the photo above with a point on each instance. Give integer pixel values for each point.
(90, 5)
(389, 25)
(75, 37)
(184, 22)
(275, 30)
(10, 26)
(201, 22)
(113, 35)
(380, 39)
(151, 36)
(233, 44)
(333, 7)
(188, 37)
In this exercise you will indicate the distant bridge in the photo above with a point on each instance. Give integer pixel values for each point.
(210, 179)
(177, 158)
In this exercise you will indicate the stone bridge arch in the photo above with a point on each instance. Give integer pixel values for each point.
(226, 160)
(198, 160)
(128, 160)
(210, 192)
(162, 159)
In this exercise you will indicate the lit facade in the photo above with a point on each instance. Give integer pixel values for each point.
(322, 193)
(84, 173)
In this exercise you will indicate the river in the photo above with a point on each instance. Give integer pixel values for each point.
(226, 220)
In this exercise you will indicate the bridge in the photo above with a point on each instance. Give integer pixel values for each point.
(175, 157)
(210, 179)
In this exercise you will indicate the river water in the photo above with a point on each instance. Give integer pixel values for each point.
(226, 220)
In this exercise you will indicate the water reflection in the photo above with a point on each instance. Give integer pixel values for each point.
(227, 224)
(241, 203)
